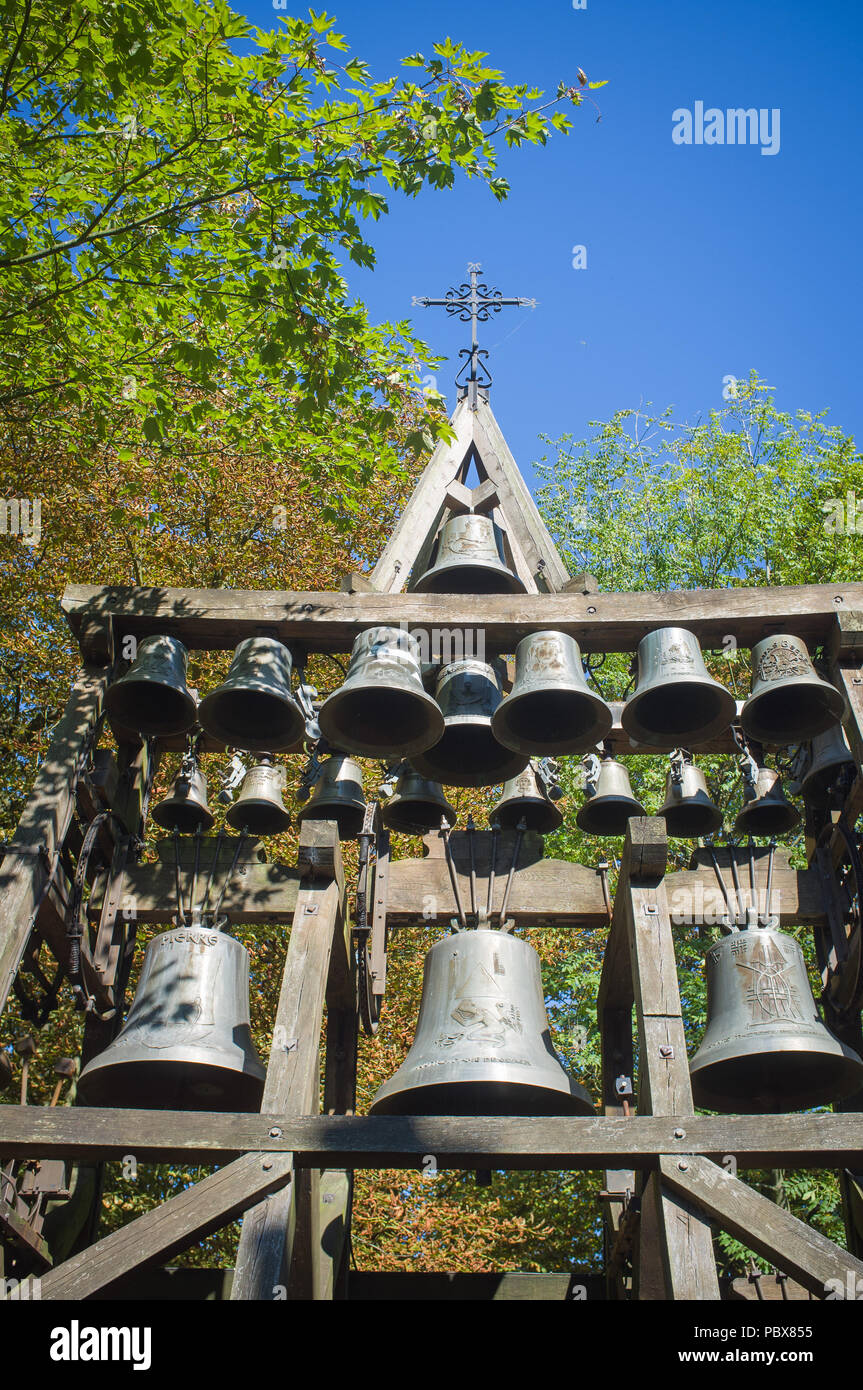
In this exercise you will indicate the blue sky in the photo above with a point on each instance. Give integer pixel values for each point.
(703, 261)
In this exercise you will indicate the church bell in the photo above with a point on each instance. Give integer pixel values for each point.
(765, 1048)
(824, 762)
(676, 700)
(417, 805)
(152, 699)
(788, 701)
(766, 809)
(551, 709)
(259, 808)
(186, 1043)
(482, 1044)
(254, 708)
(688, 809)
(610, 802)
(338, 795)
(525, 798)
(382, 709)
(469, 560)
(468, 755)
(185, 807)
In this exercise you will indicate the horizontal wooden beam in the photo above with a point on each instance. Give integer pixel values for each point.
(220, 618)
(515, 1142)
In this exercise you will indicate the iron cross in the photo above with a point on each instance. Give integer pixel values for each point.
(473, 303)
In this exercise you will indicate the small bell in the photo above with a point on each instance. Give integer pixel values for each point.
(825, 762)
(469, 560)
(338, 795)
(259, 808)
(610, 803)
(185, 807)
(482, 1044)
(417, 806)
(152, 698)
(468, 755)
(551, 708)
(766, 809)
(382, 710)
(525, 798)
(765, 1049)
(186, 1043)
(788, 702)
(253, 707)
(676, 700)
(688, 809)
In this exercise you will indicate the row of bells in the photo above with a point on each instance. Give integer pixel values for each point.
(419, 804)
(469, 733)
(482, 1044)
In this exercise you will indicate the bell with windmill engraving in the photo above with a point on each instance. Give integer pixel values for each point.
(688, 809)
(468, 755)
(676, 700)
(152, 699)
(259, 808)
(766, 809)
(765, 1048)
(338, 795)
(551, 709)
(788, 702)
(469, 560)
(482, 1044)
(417, 806)
(382, 709)
(186, 1043)
(254, 707)
(610, 803)
(526, 799)
(185, 807)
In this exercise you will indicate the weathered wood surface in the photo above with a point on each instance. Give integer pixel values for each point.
(764, 1227)
(325, 621)
(674, 1260)
(378, 1141)
(171, 1227)
(24, 872)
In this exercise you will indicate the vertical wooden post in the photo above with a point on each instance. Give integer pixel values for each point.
(675, 1259)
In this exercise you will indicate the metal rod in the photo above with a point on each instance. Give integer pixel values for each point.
(770, 857)
(453, 877)
(244, 832)
(730, 924)
(212, 872)
(195, 869)
(752, 914)
(470, 839)
(734, 874)
(519, 834)
(495, 836)
(180, 911)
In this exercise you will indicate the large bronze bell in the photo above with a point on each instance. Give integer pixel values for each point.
(788, 701)
(525, 798)
(482, 1044)
(688, 809)
(152, 698)
(551, 708)
(382, 709)
(676, 700)
(824, 763)
(253, 707)
(186, 1043)
(468, 755)
(766, 809)
(417, 806)
(338, 795)
(765, 1048)
(610, 802)
(469, 560)
(185, 807)
(259, 808)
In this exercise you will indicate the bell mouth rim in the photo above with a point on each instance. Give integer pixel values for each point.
(342, 741)
(465, 1093)
(701, 733)
(843, 1067)
(460, 575)
(452, 777)
(601, 728)
(638, 811)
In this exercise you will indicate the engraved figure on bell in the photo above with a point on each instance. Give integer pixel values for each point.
(675, 653)
(781, 660)
(770, 994)
(481, 1024)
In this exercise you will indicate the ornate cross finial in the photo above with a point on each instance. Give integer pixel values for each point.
(473, 303)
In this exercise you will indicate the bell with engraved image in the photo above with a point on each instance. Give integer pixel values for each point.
(469, 560)
(688, 810)
(468, 755)
(551, 709)
(765, 1049)
(259, 808)
(185, 807)
(186, 1043)
(525, 798)
(382, 710)
(676, 700)
(788, 702)
(482, 1043)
